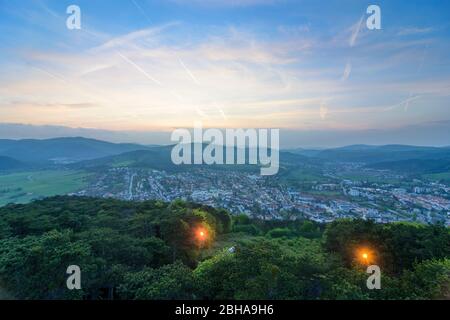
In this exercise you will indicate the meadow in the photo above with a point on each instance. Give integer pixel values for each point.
(25, 186)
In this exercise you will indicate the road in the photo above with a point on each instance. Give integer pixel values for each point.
(130, 189)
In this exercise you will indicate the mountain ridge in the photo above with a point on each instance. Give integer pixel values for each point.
(71, 148)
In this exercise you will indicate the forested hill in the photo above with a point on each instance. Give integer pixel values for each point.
(33, 151)
(7, 163)
(156, 250)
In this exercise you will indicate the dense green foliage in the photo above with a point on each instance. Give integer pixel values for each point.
(151, 250)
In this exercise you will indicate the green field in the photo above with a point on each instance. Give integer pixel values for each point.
(303, 176)
(24, 187)
(361, 176)
(124, 163)
(441, 177)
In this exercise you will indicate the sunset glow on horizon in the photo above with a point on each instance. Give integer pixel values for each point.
(164, 65)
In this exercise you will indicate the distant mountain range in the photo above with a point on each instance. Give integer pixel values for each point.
(400, 158)
(435, 133)
(90, 153)
(374, 154)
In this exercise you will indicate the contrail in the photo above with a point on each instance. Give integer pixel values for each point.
(139, 69)
(188, 72)
(142, 11)
(50, 74)
(418, 71)
(355, 33)
(404, 102)
(347, 71)
(173, 93)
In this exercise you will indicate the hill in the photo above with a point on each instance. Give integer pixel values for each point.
(414, 166)
(7, 163)
(62, 150)
(159, 157)
(69, 150)
(373, 154)
(155, 158)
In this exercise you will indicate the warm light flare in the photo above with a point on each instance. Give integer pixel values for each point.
(365, 255)
(201, 234)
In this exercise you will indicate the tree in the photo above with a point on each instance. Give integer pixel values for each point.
(170, 282)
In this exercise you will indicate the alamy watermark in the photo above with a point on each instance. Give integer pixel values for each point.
(74, 280)
(374, 280)
(235, 146)
(73, 22)
(374, 20)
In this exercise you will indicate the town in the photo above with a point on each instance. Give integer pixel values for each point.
(270, 197)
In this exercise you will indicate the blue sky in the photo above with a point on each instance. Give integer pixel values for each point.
(307, 66)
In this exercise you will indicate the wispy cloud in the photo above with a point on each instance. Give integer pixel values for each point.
(355, 30)
(414, 31)
(347, 71)
(36, 105)
(135, 37)
(170, 74)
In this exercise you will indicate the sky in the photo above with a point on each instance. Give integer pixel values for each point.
(310, 68)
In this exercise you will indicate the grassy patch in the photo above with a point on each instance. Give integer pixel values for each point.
(24, 187)
(369, 177)
(300, 176)
(443, 177)
(125, 163)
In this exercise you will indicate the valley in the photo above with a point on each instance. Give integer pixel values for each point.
(350, 182)
(25, 186)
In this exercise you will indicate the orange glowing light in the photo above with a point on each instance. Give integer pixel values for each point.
(201, 234)
(365, 256)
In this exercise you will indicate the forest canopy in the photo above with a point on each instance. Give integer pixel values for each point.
(180, 250)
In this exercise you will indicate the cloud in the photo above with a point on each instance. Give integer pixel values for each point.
(138, 80)
(355, 31)
(347, 71)
(134, 37)
(30, 105)
(414, 31)
(233, 76)
(294, 30)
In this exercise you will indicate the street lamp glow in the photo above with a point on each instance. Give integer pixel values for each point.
(201, 234)
(365, 256)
